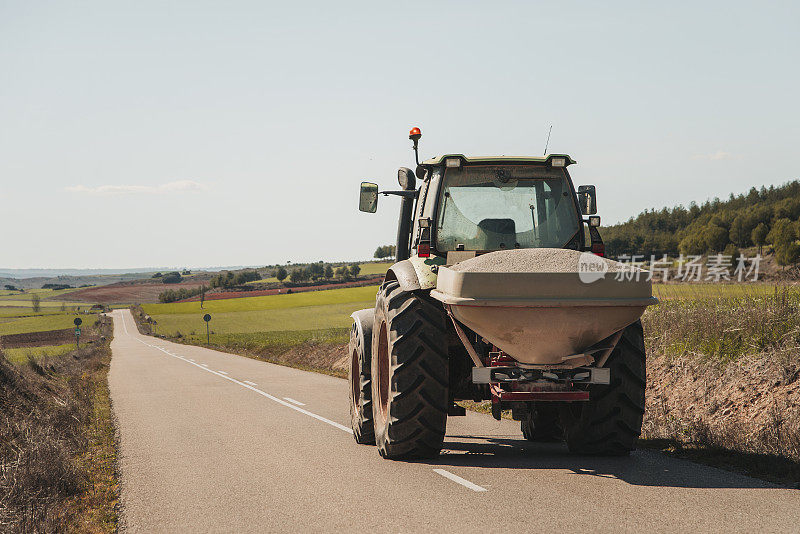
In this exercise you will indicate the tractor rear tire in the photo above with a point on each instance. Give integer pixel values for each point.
(360, 349)
(542, 424)
(610, 423)
(409, 374)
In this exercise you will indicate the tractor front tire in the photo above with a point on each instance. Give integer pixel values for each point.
(360, 385)
(409, 374)
(610, 423)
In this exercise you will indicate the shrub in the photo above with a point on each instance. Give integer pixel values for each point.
(243, 277)
(281, 274)
(172, 278)
(787, 253)
(298, 275)
(759, 235)
(56, 286)
(732, 251)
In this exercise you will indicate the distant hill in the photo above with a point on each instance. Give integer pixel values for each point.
(761, 216)
(73, 281)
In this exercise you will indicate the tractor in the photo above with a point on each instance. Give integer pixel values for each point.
(500, 292)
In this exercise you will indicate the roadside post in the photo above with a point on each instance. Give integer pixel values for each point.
(77, 323)
(207, 318)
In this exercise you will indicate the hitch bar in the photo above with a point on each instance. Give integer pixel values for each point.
(579, 375)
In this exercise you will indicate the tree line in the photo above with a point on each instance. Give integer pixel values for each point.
(174, 295)
(766, 216)
(385, 251)
(227, 279)
(319, 271)
(301, 273)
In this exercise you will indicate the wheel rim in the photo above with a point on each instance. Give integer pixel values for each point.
(355, 382)
(383, 370)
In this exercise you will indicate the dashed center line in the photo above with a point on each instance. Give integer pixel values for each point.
(293, 404)
(204, 367)
(458, 480)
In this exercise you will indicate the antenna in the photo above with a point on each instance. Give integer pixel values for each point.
(547, 143)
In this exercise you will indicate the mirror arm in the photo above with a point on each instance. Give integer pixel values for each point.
(407, 194)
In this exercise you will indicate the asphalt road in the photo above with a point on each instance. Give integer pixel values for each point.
(212, 442)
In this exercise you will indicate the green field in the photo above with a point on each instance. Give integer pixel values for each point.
(377, 268)
(48, 299)
(43, 293)
(41, 323)
(269, 302)
(18, 311)
(49, 304)
(273, 319)
(705, 291)
(21, 355)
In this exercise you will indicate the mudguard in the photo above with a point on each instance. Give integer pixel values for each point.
(415, 273)
(362, 324)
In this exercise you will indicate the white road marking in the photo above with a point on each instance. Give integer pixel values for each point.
(191, 360)
(204, 367)
(458, 480)
(223, 372)
(248, 382)
(122, 315)
(294, 401)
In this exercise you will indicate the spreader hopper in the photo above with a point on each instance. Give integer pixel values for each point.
(544, 306)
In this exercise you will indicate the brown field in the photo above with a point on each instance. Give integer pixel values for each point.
(126, 292)
(41, 339)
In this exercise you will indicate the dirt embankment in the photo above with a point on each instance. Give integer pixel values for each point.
(751, 405)
(57, 450)
(329, 358)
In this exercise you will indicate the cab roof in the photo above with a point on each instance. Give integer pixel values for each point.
(439, 160)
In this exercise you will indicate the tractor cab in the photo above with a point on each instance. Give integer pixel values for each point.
(467, 206)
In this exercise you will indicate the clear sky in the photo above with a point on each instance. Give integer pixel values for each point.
(227, 133)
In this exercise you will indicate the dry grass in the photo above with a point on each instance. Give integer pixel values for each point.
(57, 453)
(723, 381)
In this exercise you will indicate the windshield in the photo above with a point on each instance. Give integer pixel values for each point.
(499, 207)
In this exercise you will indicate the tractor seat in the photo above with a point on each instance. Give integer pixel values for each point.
(494, 232)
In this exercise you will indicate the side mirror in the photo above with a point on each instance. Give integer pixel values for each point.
(368, 199)
(587, 199)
